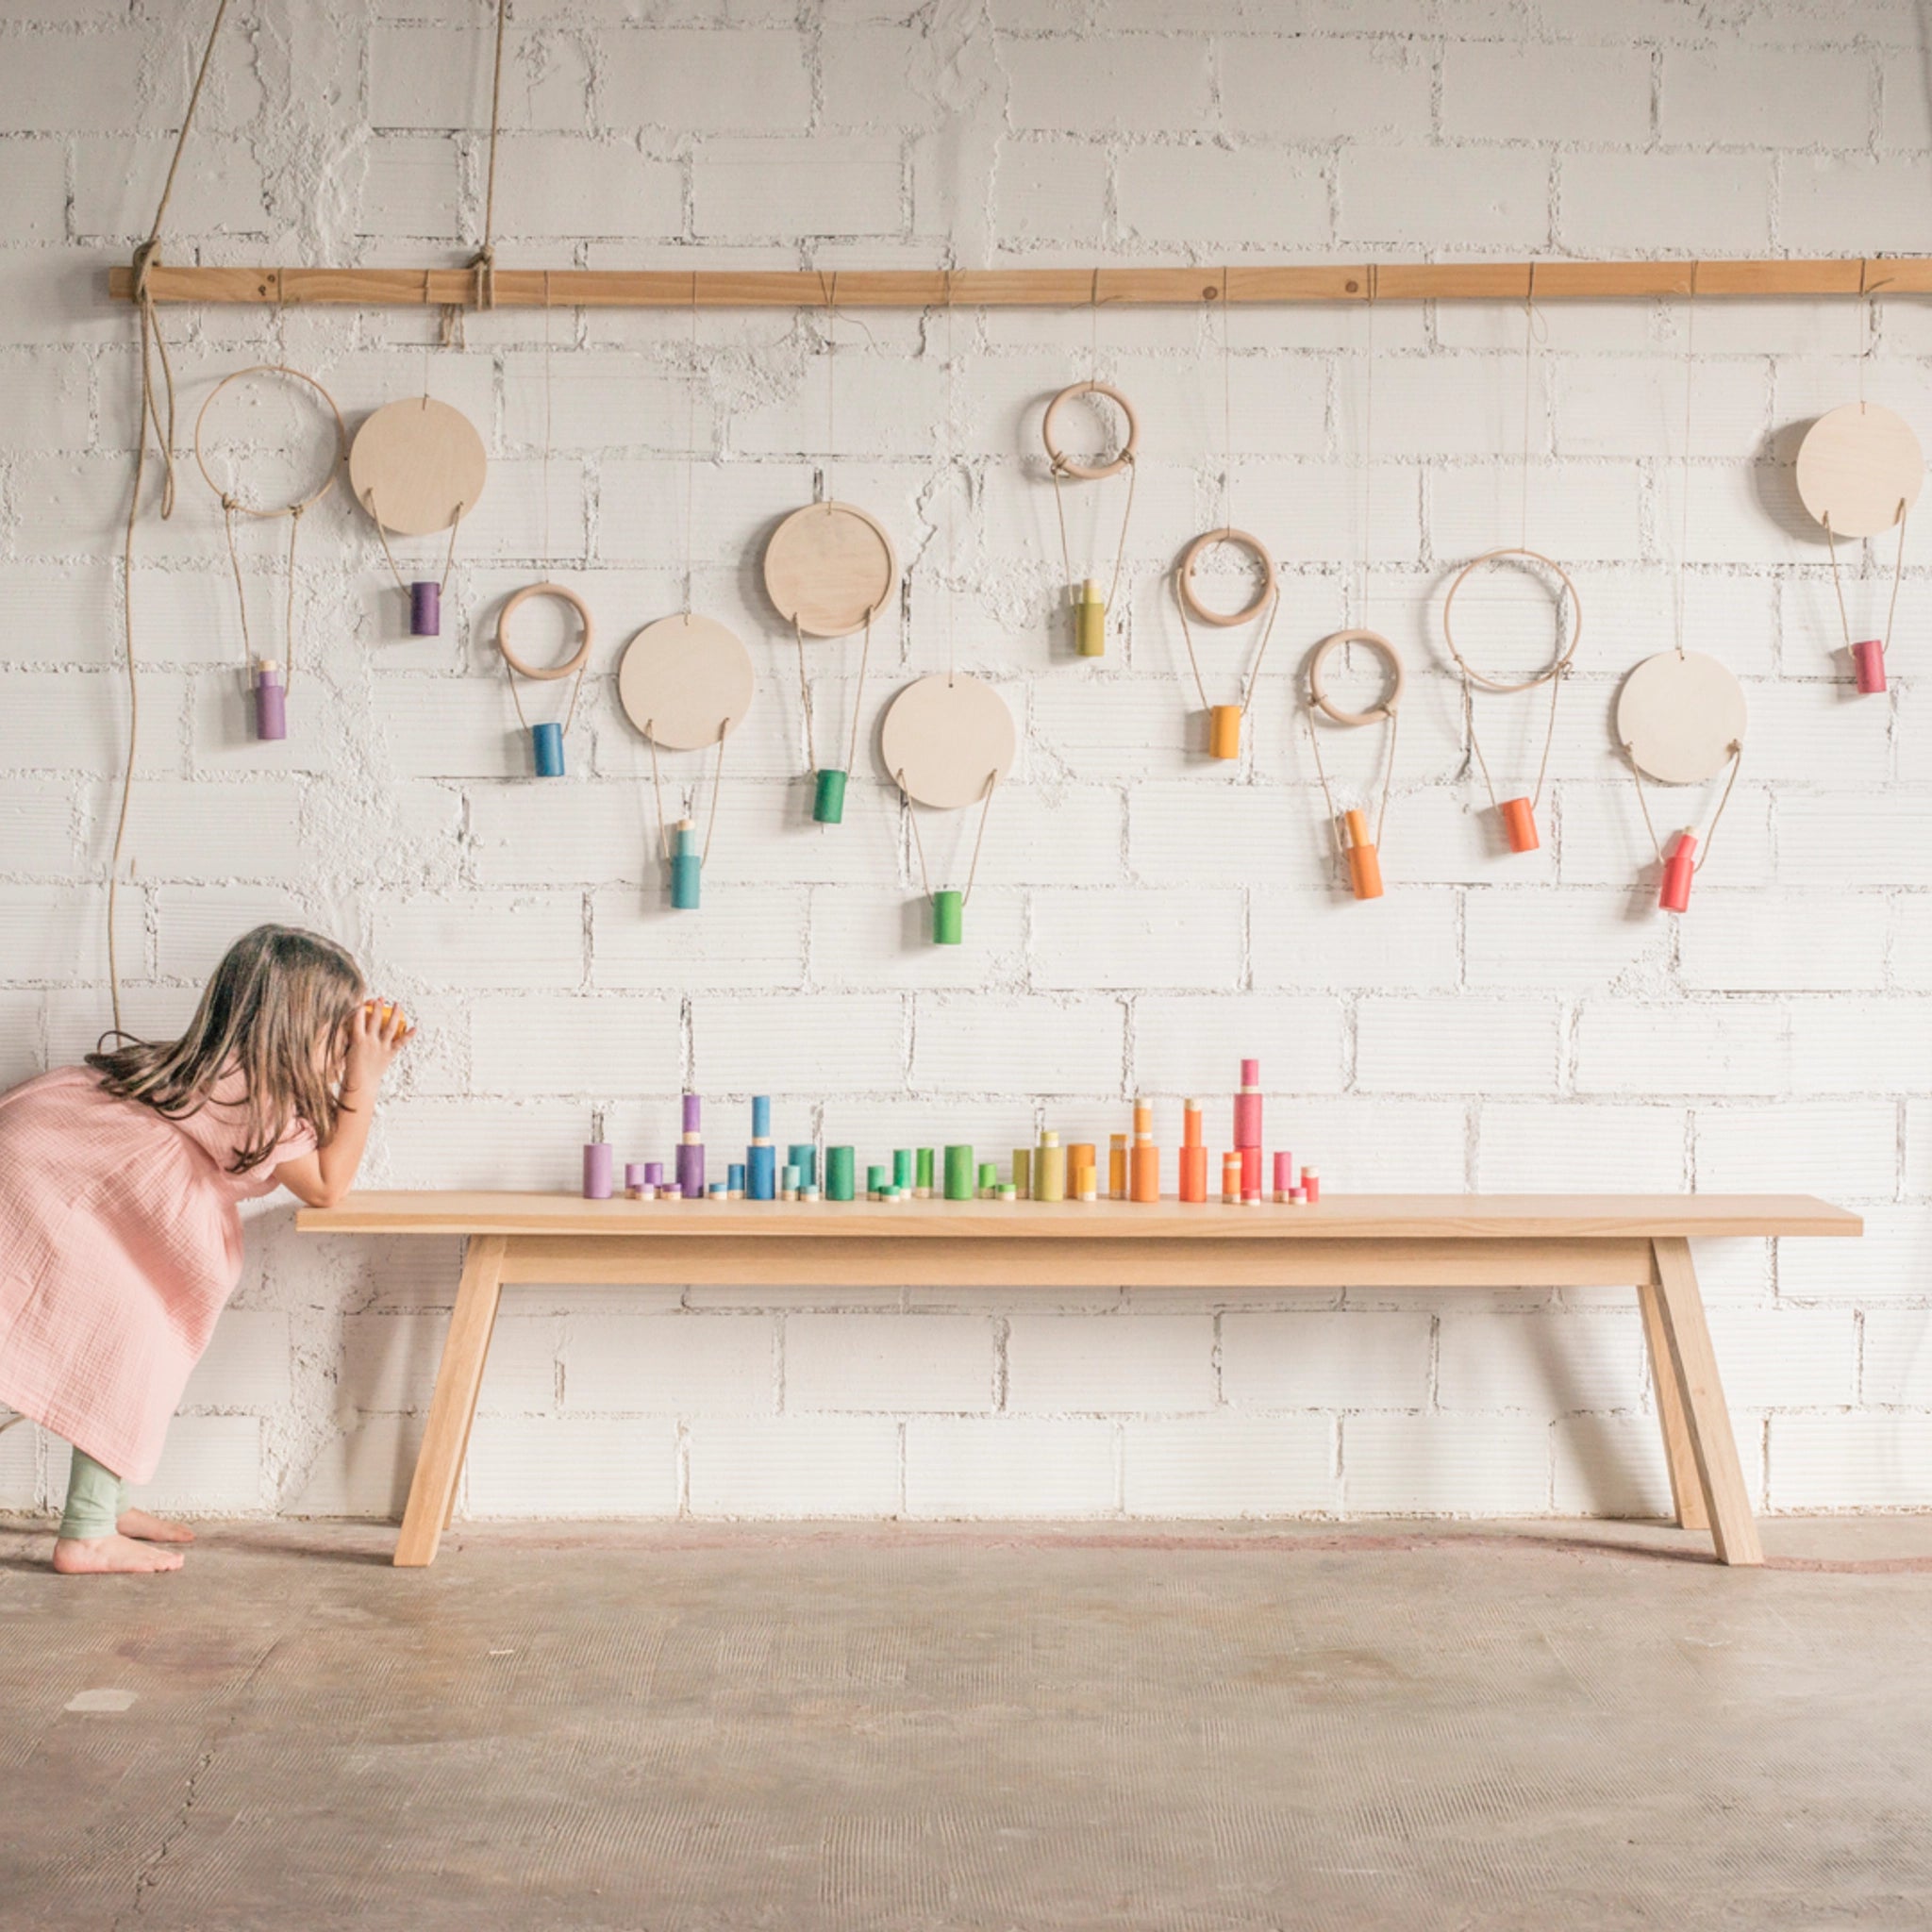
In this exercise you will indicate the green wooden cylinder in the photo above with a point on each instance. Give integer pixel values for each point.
(988, 1176)
(902, 1168)
(828, 799)
(875, 1182)
(839, 1174)
(922, 1169)
(948, 918)
(958, 1174)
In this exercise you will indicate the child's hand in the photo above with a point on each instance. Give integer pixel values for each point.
(377, 1032)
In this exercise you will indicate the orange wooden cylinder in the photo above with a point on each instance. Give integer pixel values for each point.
(1519, 822)
(1117, 1168)
(1193, 1181)
(1364, 866)
(1230, 1181)
(1144, 1183)
(1224, 731)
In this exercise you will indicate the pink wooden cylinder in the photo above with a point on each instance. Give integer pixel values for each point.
(1868, 665)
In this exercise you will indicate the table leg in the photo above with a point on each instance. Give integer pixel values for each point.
(446, 1439)
(1708, 1422)
(1687, 1486)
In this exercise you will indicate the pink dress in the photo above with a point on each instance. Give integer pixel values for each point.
(120, 1243)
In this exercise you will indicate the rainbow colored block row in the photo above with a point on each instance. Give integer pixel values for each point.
(1048, 1171)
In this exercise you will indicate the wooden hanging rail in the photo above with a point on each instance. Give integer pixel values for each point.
(1030, 287)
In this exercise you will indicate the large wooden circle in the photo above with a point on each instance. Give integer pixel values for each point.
(517, 598)
(1678, 716)
(1184, 577)
(685, 681)
(281, 510)
(1318, 695)
(1860, 469)
(1556, 664)
(945, 737)
(828, 567)
(417, 466)
(1088, 473)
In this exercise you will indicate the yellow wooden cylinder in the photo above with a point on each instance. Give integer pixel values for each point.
(1089, 621)
(1224, 731)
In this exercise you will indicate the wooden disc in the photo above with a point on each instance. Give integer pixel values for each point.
(1088, 473)
(1679, 716)
(1184, 577)
(1860, 469)
(946, 737)
(685, 681)
(1556, 663)
(827, 567)
(417, 466)
(1319, 697)
(511, 604)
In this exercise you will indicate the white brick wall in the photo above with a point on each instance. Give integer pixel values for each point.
(1142, 919)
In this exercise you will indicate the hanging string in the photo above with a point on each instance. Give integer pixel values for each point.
(717, 785)
(952, 455)
(1898, 571)
(993, 779)
(449, 557)
(1737, 751)
(1394, 719)
(229, 505)
(148, 416)
(691, 450)
(546, 421)
(1684, 460)
(1532, 331)
(832, 301)
(1368, 446)
(484, 261)
(1253, 670)
(1555, 684)
(1056, 469)
(1226, 419)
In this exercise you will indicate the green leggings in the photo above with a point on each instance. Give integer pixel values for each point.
(95, 1498)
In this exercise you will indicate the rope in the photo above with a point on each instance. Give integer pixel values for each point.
(484, 261)
(448, 562)
(1388, 781)
(1898, 571)
(569, 716)
(1127, 518)
(1253, 670)
(993, 779)
(153, 350)
(1684, 464)
(1710, 831)
(1476, 744)
(717, 785)
(859, 695)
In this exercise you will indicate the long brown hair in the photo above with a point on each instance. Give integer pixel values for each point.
(276, 1011)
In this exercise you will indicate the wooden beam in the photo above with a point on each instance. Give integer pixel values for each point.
(1032, 288)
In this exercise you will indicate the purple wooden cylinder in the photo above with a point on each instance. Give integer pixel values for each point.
(271, 703)
(690, 1169)
(633, 1174)
(692, 1105)
(425, 611)
(597, 1170)
(654, 1173)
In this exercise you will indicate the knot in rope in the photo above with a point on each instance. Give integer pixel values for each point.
(483, 267)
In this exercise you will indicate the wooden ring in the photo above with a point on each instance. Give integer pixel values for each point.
(1557, 665)
(1376, 643)
(1184, 576)
(1089, 472)
(564, 595)
(287, 510)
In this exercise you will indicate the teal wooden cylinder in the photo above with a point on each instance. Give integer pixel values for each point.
(803, 1156)
(547, 749)
(828, 799)
(875, 1182)
(839, 1174)
(686, 866)
(902, 1168)
(948, 918)
(960, 1173)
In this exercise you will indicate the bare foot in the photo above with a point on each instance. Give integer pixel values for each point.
(109, 1556)
(153, 1529)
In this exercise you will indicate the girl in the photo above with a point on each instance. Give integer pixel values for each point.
(119, 1241)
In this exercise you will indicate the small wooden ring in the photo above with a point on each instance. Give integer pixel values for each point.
(1090, 472)
(562, 595)
(1376, 643)
(328, 482)
(1557, 666)
(1184, 577)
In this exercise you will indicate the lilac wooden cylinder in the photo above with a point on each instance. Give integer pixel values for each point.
(691, 1169)
(654, 1173)
(425, 611)
(271, 703)
(597, 1171)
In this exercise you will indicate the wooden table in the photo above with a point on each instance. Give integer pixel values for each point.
(1361, 1240)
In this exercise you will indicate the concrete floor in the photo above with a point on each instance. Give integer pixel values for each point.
(658, 1729)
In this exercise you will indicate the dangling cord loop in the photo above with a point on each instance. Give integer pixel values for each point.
(1056, 468)
(1394, 722)
(576, 687)
(1710, 830)
(717, 785)
(1475, 743)
(1898, 571)
(448, 561)
(993, 779)
(1253, 670)
(859, 695)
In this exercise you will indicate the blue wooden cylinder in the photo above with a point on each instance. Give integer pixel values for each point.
(425, 611)
(546, 747)
(761, 1172)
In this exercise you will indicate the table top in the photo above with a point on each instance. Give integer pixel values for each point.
(1339, 1217)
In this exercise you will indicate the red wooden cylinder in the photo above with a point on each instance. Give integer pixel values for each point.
(1674, 895)
(1519, 822)
(1868, 665)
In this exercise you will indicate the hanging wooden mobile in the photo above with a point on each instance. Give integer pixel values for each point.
(1225, 720)
(1518, 815)
(947, 740)
(1089, 609)
(1680, 718)
(1361, 854)
(1860, 472)
(270, 680)
(684, 682)
(829, 570)
(547, 737)
(417, 467)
